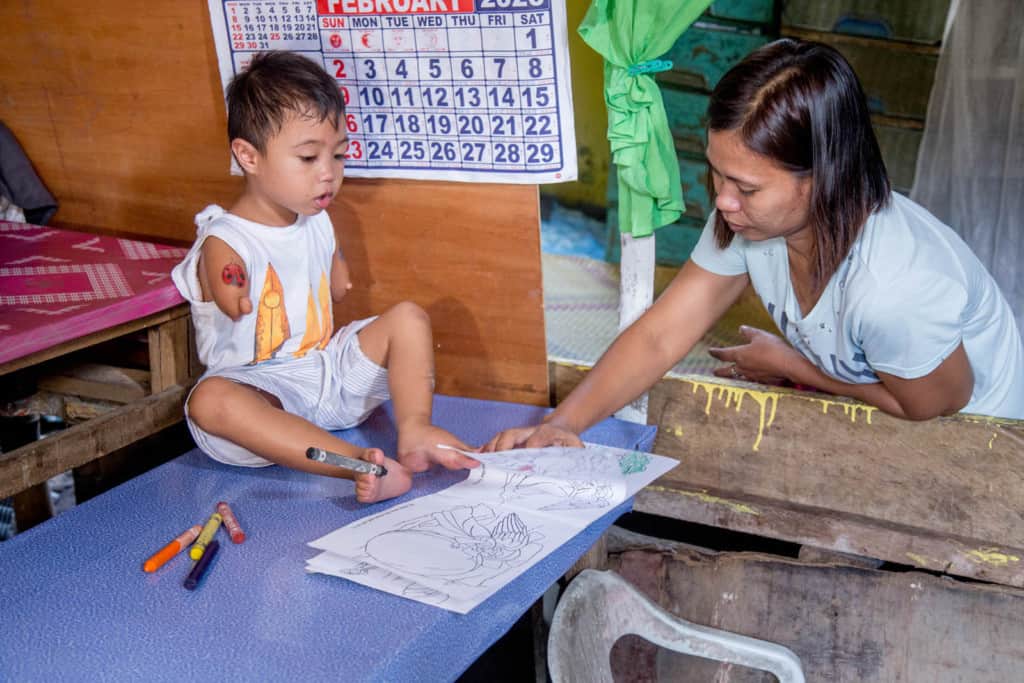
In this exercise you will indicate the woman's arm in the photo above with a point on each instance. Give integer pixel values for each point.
(638, 358)
(943, 391)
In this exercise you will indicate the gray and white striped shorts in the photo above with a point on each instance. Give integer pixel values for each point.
(336, 388)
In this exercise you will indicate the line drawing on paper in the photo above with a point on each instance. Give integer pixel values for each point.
(571, 495)
(456, 547)
(402, 585)
(465, 544)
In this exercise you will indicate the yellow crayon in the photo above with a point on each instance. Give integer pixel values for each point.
(205, 536)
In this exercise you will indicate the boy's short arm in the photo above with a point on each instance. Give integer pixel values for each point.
(224, 278)
(340, 280)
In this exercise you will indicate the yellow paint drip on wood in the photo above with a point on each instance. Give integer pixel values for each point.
(734, 395)
(851, 410)
(705, 497)
(921, 560)
(991, 556)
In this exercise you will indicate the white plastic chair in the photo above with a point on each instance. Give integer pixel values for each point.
(598, 608)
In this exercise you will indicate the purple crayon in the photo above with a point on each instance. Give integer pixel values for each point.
(199, 568)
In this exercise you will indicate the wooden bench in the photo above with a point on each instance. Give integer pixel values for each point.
(65, 299)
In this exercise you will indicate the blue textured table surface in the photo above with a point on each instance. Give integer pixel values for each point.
(77, 606)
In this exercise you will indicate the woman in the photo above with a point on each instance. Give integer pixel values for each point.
(878, 300)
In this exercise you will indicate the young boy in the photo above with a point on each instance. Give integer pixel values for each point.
(261, 279)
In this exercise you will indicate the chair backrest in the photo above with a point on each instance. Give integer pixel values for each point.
(598, 608)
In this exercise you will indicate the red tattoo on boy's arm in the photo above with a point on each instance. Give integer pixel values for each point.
(233, 275)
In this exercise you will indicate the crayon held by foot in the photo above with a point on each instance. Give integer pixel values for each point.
(161, 557)
(205, 536)
(230, 523)
(199, 568)
(354, 464)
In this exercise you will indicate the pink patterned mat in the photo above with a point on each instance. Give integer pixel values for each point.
(57, 285)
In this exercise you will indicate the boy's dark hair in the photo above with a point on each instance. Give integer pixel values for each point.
(800, 104)
(277, 84)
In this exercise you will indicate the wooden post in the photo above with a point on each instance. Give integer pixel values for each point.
(636, 294)
(169, 354)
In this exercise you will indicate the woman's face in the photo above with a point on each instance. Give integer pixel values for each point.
(757, 198)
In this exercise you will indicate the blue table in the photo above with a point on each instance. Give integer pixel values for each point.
(76, 605)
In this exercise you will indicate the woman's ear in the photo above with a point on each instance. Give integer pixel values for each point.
(246, 155)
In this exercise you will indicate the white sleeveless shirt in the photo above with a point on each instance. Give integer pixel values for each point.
(289, 275)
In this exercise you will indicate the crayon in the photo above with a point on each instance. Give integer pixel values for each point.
(161, 556)
(230, 523)
(205, 536)
(354, 464)
(199, 568)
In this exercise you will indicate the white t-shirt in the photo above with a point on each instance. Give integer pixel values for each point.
(289, 275)
(908, 293)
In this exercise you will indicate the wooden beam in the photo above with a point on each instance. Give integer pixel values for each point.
(943, 495)
(169, 354)
(36, 462)
(847, 624)
(100, 382)
(32, 506)
(180, 311)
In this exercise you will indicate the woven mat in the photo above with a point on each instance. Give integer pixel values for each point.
(581, 313)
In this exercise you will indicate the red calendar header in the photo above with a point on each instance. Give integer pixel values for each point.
(393, 6)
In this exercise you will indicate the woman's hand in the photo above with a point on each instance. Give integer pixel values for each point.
(765, 358)
(537, 436)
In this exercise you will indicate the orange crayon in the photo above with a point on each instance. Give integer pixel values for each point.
(230, 523)
(171, 549)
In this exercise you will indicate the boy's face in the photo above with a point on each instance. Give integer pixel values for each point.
(301, 169)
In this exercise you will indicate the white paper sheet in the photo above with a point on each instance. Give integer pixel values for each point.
(455, 548)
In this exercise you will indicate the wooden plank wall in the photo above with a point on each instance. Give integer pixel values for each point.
(121, 111)
(828, 472)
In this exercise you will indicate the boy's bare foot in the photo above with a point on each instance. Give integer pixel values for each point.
(418, 448)
(370, 488)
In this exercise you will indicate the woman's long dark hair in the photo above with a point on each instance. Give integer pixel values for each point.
(800, 104)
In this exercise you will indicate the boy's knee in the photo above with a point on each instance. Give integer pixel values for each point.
(207, 401)
(408, 313)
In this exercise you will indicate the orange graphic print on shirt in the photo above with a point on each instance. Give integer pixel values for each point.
(319, 325)
(271, 318)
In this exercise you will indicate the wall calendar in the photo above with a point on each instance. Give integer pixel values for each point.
(469, 90)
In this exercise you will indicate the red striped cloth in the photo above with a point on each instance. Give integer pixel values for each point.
(58, 285)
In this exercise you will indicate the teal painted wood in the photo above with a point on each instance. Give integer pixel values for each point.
(693, 174)
(896, 80)
(755, 11)
(687, 119)
(674, 243)
(705, 52)
(899, 150)
(921, 21)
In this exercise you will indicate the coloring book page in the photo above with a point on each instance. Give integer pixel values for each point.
(455, 548)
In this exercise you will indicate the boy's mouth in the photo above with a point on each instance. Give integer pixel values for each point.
(324, 200)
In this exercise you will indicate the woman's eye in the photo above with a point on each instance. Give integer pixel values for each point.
(746, 193)
(308, 160)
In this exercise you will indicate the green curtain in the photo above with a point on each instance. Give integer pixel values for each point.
(630, 35)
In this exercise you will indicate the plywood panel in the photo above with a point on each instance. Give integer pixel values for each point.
(122, 113)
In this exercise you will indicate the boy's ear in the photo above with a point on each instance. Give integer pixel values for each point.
(246, 154)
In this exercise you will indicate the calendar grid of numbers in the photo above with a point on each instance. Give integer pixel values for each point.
(470, 90)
